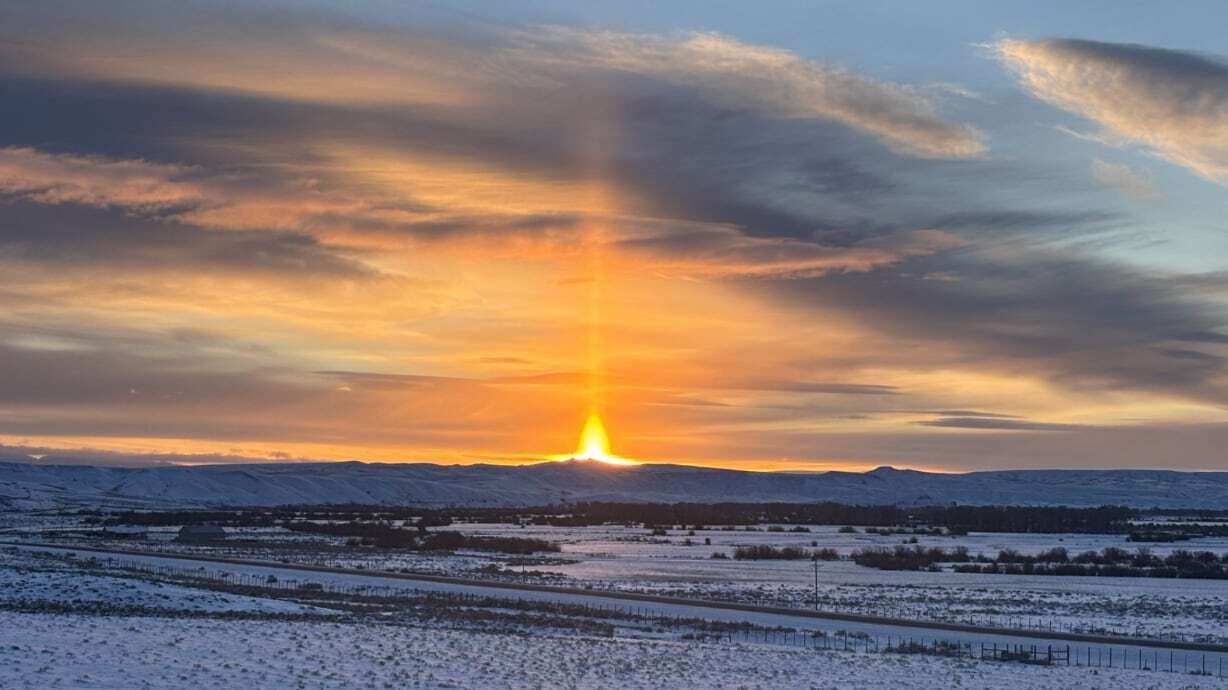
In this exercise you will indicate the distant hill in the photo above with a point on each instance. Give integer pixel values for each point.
(26, 485)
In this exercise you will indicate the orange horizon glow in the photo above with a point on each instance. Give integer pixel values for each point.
(187, 452)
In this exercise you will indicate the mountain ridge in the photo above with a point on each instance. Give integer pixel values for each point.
(36, 485)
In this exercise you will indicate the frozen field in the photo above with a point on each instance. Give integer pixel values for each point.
(65, 651)
(632, 559)
(35, 583)
(616, 558)
(81, 623)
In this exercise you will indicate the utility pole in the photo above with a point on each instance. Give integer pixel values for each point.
(815, 558)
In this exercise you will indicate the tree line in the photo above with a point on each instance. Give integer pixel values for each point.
(952, 520)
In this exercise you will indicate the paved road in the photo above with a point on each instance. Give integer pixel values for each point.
(878, 626)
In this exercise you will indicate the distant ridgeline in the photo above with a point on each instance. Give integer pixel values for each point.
(38, 486)
(1141, 525)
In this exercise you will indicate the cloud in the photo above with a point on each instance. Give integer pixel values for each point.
(328, 59)
(494, 139)
(969, 413)
(992, 424)
(818, 387)
(150, 386)
(1173, 102)
(1193, 446)
(94, 181)
(1123, 179)
(305, 56)
(1085, 325)
(771, 80)
(96, 241)
(337, 216)
(722, 251)
(227, 201)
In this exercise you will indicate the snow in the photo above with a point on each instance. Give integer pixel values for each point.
(65, 651)
(628, 559)
(29, 582)
(163, 648)
(614, 557)
(386, 587)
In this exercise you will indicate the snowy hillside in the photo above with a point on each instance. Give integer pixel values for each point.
(27, 485)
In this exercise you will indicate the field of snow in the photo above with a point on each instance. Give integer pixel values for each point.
(29, 582)
(79, 620)
(631, 559)
(67, 651)
(621, 558)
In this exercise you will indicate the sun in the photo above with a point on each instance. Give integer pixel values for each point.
(595, 444)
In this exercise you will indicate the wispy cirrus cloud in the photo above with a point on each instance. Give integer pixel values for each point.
(1123, 179)
(1172, 102)
(95, 181)
(767, 79)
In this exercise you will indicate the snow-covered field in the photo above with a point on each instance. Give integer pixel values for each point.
(73, 622)
(631, 559)
(68, 651)
(31, 583)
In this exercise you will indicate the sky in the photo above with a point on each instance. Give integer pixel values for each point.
(771, 235)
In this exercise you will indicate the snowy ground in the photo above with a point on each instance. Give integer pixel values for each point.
(108, 626)
(65, 651)
(631, 559)
(32, 583)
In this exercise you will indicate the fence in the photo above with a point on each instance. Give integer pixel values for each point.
(1082, 655)
(1127, 658)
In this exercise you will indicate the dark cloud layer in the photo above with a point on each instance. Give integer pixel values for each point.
(997, 424)
(67, 237)
(1083, 323)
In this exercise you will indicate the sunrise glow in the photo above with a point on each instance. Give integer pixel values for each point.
(595, 444)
